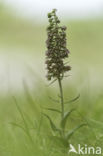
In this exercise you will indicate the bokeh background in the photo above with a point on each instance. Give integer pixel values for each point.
(22, 71)
(23, 35)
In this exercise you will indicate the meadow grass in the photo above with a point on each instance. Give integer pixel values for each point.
(23, 129)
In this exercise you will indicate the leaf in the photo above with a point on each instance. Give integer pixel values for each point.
(67, 102)
(52, 109)
(70, 133)
(64, 120)
(54, 100)
(52, 82)
(19, 126)
(22, 116)
(24, 121)
(54, 128)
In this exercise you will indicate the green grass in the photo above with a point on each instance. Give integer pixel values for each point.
(36, 140)
(85, 41)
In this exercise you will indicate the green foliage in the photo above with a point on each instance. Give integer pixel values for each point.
(55, 55)
(54, 110)
(87, 54)
(70, 133)
(73, 100)
(64, 120)
(26, 129)
(54, 128)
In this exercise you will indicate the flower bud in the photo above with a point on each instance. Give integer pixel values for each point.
(63, 27)
(49, 15)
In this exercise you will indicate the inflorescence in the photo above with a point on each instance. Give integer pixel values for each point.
(56, 48)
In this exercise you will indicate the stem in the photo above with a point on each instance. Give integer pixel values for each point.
(61, 96)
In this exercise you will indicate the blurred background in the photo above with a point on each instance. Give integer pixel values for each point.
(23, 34)
(23, 26)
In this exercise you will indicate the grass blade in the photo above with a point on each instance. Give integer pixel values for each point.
(70, 133)
(22, 116)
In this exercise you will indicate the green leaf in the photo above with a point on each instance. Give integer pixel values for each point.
(64, 120)
(19, 126)
(24, 121)
(52, 109)
(67, 102)
(21, 113)
(52, 82)
(54, 128)
(70, 133)
(54, 100)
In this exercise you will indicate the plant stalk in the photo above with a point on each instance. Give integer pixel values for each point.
(61, 97)
(62, 104)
